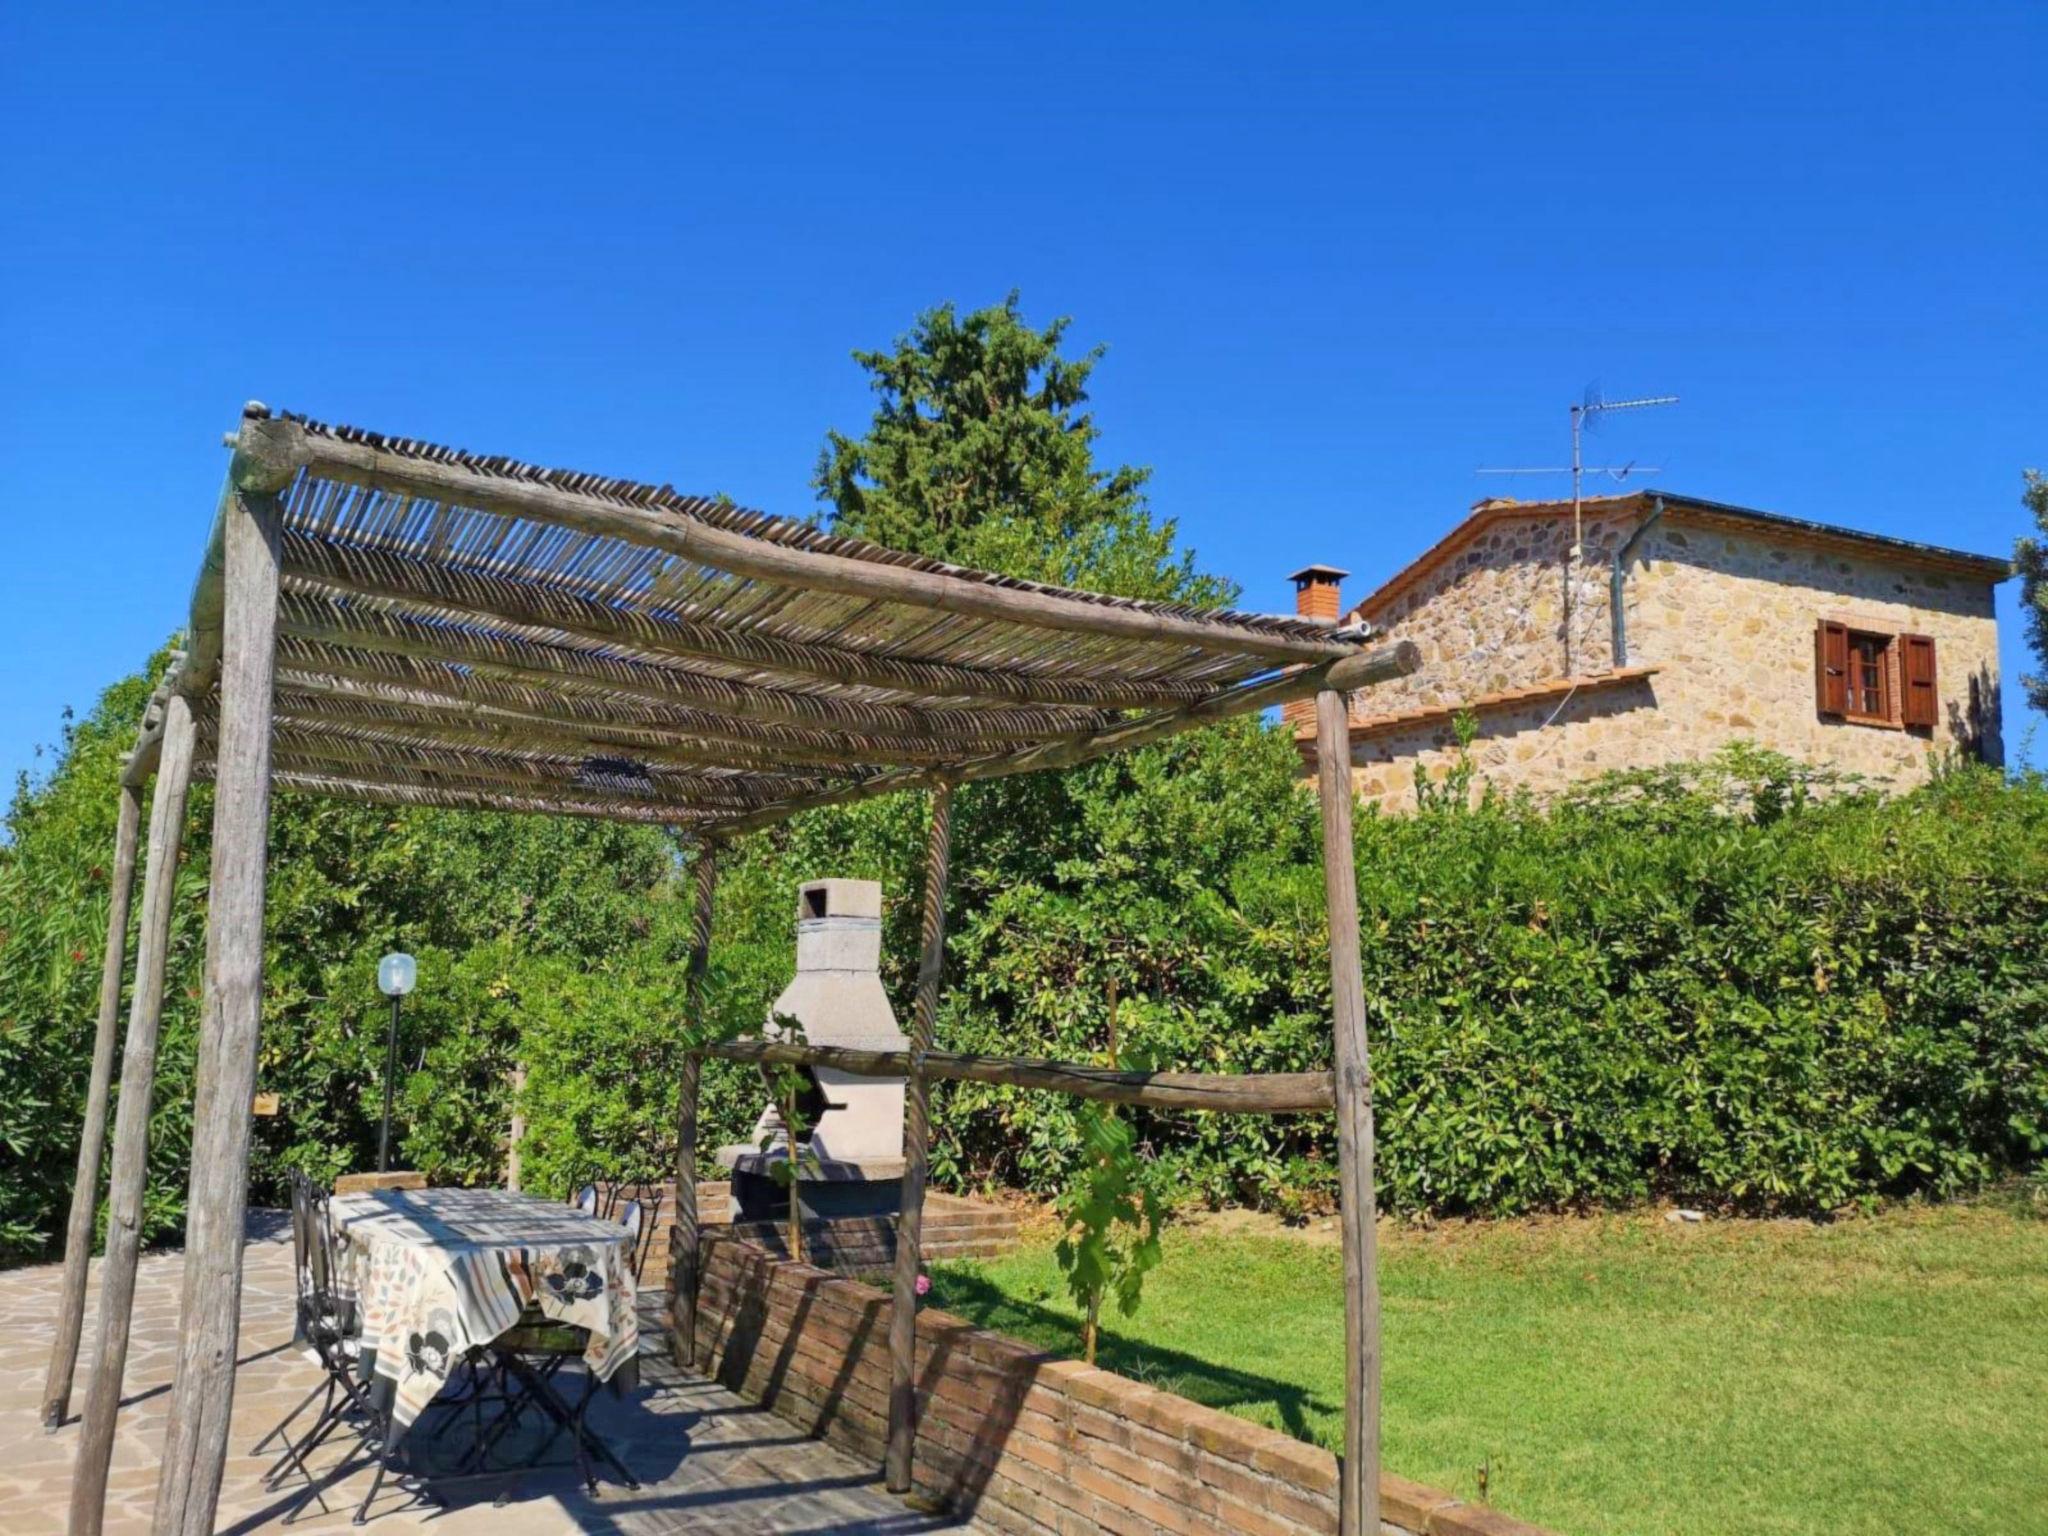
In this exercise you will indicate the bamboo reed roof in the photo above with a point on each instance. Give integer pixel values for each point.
(477, 632)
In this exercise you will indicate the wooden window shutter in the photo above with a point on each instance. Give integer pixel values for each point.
(1919, 703)
(1831, 668)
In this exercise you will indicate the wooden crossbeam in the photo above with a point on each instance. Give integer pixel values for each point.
(536, 658)
(374, 792)
(811, 570)
(1361, 671)
(512, 711)
(461, 592)
(1256, 1093)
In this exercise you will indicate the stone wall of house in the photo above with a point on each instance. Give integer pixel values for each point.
(1509, 610)
(1022, 1440)
(1725, 615)
(1545, 745)
(1730, 616)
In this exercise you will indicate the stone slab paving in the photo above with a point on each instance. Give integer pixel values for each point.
(706, 1459)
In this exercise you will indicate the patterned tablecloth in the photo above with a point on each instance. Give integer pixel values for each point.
(435, 1272)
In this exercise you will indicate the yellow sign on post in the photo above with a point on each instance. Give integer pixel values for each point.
(266, 1103)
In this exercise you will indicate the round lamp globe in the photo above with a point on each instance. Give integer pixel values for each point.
(397, 974)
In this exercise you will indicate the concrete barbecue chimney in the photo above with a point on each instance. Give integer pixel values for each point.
(837, 996)
(856, 1123)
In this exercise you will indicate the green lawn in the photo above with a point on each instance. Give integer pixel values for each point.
(1625, 1374)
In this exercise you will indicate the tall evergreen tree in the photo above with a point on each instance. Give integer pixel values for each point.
(981, 453)
(2030, 554)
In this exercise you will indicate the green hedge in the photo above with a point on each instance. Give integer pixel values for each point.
(1690, 983)
(1701, 983)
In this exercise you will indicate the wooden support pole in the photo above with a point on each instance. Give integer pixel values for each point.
(92, 1139)
(1358, 1481)
(129, 1168)
(517, 1133)
(202, 1392)
(686, 1236)
(931, 967)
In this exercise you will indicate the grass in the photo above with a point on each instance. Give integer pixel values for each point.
(1625, 1374)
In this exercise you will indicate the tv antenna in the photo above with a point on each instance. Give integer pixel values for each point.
(1586, 413)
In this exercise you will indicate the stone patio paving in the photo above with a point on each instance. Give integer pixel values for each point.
(706, 1459)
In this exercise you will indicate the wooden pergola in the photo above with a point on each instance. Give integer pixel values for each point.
(379, 619)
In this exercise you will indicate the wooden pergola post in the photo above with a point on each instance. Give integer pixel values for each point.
(129, 1171)
(931, 966)
(92, 1139)
(686, 1236)
(202, 1394)
(1358, 1504)
(516, 1133)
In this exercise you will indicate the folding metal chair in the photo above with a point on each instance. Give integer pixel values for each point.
(326, 1322)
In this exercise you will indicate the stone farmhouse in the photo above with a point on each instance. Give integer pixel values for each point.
(1679, 626)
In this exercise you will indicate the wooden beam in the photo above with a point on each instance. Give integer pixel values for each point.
(763, 559)
(266, 456)
(92, 1137)
(575, 722)
(443, 797)
(492, 773)
(1358, 1475)
(1363, 670)
(128, 1175)
(1247, 1093)
(459, 592)
(931, 967)
(538, 659)
(140, 763)
(203, 1389)
(320, 706)
(686, 1238)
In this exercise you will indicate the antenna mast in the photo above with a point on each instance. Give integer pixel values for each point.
(1585, 416)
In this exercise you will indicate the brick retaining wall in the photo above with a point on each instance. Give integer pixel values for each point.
(1025, 1441)
(954, 1228)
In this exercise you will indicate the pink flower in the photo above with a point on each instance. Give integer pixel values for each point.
(924, 1285)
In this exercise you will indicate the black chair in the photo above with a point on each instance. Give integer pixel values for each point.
(326, 1322)
(640, 1216)
(613, 1199)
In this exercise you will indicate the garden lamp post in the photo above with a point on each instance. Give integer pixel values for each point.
(396, 975)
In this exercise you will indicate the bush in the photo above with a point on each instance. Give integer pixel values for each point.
(1739, 982)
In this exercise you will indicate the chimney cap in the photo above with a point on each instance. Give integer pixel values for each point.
(817, 899)
(1316, 573)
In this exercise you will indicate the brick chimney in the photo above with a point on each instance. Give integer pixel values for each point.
(1318, 594)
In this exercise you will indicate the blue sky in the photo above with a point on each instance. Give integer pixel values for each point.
(1340, 260)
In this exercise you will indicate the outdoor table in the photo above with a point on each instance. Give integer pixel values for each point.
(435, 1273)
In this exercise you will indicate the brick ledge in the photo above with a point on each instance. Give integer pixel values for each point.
(1367, 726)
